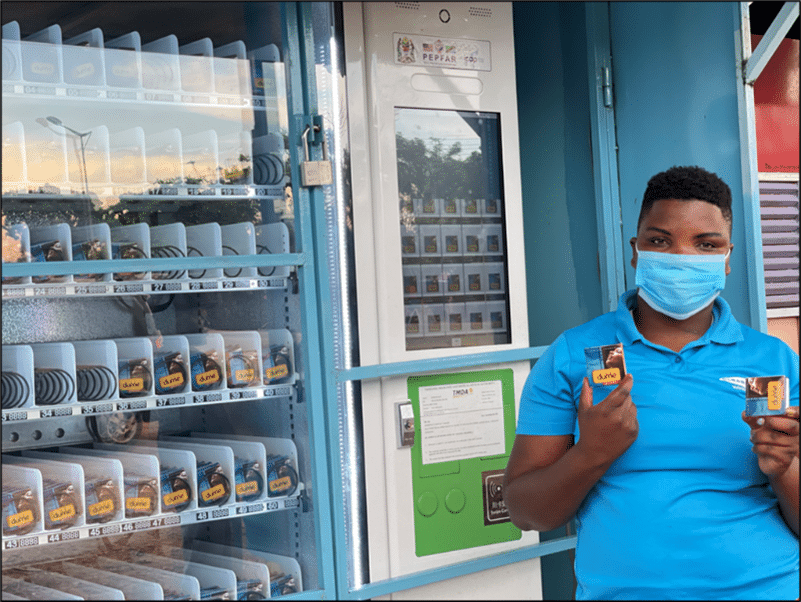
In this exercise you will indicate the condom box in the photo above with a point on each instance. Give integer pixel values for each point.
(606, 364)
(767, 395)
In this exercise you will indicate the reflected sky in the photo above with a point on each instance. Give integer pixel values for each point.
(134, 140)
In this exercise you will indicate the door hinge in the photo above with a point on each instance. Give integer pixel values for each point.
(607, 86)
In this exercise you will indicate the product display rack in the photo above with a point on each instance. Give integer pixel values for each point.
(242, 293)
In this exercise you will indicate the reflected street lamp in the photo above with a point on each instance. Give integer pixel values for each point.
(84, 137)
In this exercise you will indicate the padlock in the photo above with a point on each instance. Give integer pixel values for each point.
(315, 173)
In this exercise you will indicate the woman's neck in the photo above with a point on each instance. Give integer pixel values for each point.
(669, 332)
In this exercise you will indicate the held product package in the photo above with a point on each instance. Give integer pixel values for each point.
(71, 585)
(131, 587)
(252, 578)
(23, 511)
(140, 479)
(285, 575)
(62, 491)
(215, 582)
(178, 473)
(280, 464)
(173, 585)
(767, 395)
(606, 364)
(103, 479)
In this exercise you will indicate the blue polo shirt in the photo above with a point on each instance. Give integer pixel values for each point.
(685, 512)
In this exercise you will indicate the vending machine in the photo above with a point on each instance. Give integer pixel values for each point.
(162, 417)
(437, 214)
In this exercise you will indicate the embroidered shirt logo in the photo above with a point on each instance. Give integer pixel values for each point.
(738, 382)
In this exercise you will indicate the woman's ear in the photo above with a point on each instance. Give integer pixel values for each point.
(728, 259)
(633, 243)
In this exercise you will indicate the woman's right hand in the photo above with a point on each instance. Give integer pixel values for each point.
(607, 429)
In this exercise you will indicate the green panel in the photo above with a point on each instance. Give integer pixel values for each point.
(458, 501)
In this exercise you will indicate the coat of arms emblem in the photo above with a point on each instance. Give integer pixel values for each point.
(405, 50)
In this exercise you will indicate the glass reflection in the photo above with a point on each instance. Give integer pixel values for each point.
(452, 228)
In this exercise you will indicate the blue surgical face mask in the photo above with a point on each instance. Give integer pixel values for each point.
(679, 286)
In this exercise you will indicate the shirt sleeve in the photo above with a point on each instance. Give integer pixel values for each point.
(547, 403)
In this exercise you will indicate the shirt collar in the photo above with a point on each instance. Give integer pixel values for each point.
(724, 330)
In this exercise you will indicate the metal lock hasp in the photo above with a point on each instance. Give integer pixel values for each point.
(315, 173)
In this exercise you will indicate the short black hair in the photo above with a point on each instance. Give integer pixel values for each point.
(687, 183)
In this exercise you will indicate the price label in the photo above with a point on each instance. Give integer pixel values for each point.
(10, 293)
(65, 536)
(292, 502)
(221, 513)
(90, 290)
(129, 288)
(14, 416)
(55, 412)
(165, 286)
(139, 404)
(249, 509)
(99, 408)
(104, 531)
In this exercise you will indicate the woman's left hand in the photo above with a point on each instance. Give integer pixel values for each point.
(775, 440)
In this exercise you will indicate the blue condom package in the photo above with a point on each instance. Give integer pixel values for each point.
(606, 364)
(766, 395)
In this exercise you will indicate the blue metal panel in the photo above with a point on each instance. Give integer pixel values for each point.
(676, 104)
(561, 234)
(604, 153)
(752, 216)
(440, 363)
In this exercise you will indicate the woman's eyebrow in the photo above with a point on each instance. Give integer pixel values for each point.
(702, 235)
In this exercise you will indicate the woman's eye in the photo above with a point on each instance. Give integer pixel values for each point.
(657, 241)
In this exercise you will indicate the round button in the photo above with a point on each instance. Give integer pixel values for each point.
(678, 359)
(427, 503)
(455, 500)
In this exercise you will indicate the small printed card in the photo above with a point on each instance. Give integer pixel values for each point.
(766, 395)
(606, 365)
